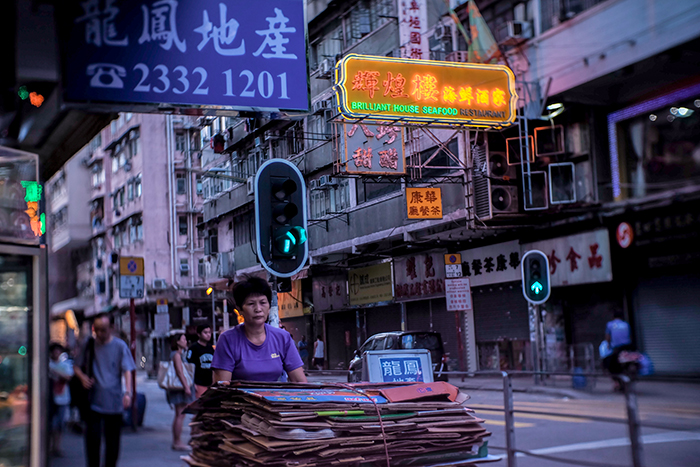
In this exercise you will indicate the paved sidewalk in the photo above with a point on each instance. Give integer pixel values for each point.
(149, 446)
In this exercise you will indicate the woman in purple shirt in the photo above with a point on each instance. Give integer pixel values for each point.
(254, 350)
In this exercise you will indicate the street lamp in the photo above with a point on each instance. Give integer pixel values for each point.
(210, 291)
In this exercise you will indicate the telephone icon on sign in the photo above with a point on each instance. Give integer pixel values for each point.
(106, 75)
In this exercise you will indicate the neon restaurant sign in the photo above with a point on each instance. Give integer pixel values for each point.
(424, 91)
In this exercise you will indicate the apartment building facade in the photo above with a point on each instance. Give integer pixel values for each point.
(608, 107)
(137, 187)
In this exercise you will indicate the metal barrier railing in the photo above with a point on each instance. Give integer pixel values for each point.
(632, 419)
(509, 415)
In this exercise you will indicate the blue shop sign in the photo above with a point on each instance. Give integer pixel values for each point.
(225, 54)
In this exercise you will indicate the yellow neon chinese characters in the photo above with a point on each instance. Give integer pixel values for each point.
(465, 94)
(482, 97)
(425, 87)
(449, 94)
(498, 97)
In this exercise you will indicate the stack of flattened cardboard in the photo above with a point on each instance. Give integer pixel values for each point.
(308, 425)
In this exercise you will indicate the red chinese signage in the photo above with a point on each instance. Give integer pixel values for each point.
(419, 277)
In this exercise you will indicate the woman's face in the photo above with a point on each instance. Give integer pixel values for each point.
(255, 309)
(182, 342)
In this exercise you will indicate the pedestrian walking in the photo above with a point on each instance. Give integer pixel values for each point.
(111, 359)
(60, 373)
(254, 350)
(201, 353)
(319, 353)
(303, 348)
(179, 398)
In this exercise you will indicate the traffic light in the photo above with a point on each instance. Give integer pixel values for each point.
(280, 218)
(536, 279)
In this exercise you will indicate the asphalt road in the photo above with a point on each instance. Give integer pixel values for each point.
(554, 434)
(585, 439)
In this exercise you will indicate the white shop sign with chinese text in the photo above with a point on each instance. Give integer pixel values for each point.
(577, 259)
(419, 276)
(413, 26)
(458, 294)
(492, 264)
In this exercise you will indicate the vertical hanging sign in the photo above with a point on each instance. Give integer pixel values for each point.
(413, 26)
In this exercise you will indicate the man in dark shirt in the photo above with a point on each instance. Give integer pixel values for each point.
(201, 354)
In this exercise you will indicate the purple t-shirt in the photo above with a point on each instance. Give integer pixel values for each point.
(249, 362)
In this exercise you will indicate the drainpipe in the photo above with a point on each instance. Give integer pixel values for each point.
(191, 217)
(171, 204)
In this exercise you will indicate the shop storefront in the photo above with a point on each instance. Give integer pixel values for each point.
(656, 254)
(500, 313)
(420, 286)
(332, 313)
(583, 299)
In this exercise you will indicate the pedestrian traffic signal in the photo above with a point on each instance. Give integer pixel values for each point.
(536, 279)
(280, 218)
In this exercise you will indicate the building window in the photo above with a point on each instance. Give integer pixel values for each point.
(113, 127)
(115, 164)
(130, 191)
(98, 175)
(121, 197)
(242, 228)
(181, 184)
(117, 238)
(182, 222)
(125, 235)
(330, 200)
(184, 267)
(134, 145)
(213, 241)
(180, 140)
(129, 115)
(201, 268)
(137, 186)
(199, 185)
(367, 191)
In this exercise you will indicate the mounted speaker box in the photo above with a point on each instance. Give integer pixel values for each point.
(549, 140)
(535, 191)
(516, 150)
(562, 183)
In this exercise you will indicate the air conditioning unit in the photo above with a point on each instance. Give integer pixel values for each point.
(325, 68)
(250, 185)
(326, 181)
(313, 184)
(159, 284)
(504, 199)
(184, 268)
(441, 31)
(491, 198)
(499, 168)
(517, 32)
(321, 105)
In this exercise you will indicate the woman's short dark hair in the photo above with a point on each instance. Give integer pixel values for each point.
(173, 341)
(251, 285)
(202, 327)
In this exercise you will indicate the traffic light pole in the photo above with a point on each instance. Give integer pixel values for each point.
(132, 323)
(274, 317)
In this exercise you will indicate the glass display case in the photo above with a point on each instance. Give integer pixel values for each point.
(23, 313)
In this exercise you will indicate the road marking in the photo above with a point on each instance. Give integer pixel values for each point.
(670, 437)
(503, 423)
(555, 418)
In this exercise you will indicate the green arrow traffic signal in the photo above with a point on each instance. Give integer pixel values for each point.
(536, 287)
